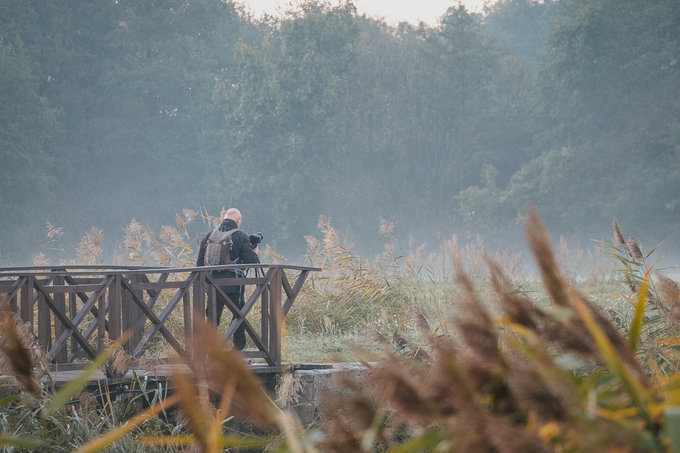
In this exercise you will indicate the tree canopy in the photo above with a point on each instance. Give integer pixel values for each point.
(138, 109)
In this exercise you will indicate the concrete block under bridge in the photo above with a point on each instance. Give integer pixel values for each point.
(305, 387)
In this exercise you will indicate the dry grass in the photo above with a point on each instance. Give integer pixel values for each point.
(353, 295)
(500, 384)
(471, 356)
(18, 355)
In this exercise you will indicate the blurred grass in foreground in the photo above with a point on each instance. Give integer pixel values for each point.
(471, 356)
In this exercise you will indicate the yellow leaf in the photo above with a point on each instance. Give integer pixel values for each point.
(635, 389)
(636, 323)
(549, 431)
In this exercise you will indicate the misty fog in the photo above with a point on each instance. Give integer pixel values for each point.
(114, 111)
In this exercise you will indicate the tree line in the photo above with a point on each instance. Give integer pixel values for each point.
(114, 110)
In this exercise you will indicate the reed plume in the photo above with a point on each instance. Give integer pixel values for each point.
(17, 353)
(634, 250)
(90, 247)
(619, 240)
(500, 384)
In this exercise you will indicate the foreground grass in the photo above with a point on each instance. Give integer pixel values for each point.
(469, 358)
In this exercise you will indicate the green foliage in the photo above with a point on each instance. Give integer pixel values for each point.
(477, 203)
(134, 83)
(522, 26)
(321, 110)
(27, 123)
(279, 111)
(605, 77)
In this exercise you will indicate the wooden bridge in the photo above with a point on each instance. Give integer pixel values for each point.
(74, 310)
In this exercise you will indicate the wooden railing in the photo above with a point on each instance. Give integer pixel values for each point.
(73, 310)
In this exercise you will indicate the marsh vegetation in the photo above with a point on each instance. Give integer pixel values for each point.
(439, 134)
(467, 350)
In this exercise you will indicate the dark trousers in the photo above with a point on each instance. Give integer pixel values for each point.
(235, 293)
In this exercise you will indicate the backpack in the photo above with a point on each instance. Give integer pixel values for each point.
(218, 246)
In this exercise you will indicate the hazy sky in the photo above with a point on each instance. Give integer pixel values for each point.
(392, 11)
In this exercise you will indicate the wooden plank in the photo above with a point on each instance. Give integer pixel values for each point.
(264, 316)
(61, 354)
(95, 283)
(49, 303)
(239, 317)
(250, 303)
(276, 317)
(198, 300)
(261, 342)
(27, 300)
(92, 328)
(101, 326)
(13, 303)
(286, 285)
(136, 320)
(44, 313)
(12, 292)
(155, 293)
(132, 317)
(228, 267)
(294, 291)
(211, 305)
(79, 269)
(115, 308)
(63, 289)
(156, 286)
(90, 302)
(73, 311)
(186, 311)
(224, 281)
(127, 303)
(44, 321)
(158, 326)
(82, 281)
(230, 303)
(181, 294)
(84, 297)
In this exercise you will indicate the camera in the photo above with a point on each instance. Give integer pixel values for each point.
(255, 239)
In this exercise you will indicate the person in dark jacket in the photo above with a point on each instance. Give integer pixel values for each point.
(240, 252)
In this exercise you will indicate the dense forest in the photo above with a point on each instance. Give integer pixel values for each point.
(120, 109)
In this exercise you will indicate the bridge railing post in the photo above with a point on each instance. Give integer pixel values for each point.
(27, 301)
(211, 304)
(72, 312)
(116, 309)
(276, 317)
(59, 328)
(198, 302)
(133, 317)
(44, 322)
(101, 322)
(264, 321)
(186, 312)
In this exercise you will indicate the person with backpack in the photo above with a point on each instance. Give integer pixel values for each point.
(226, 244)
